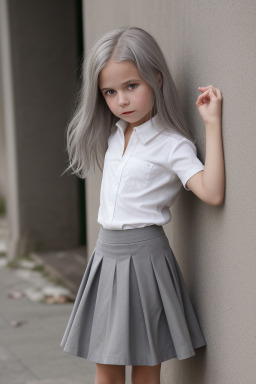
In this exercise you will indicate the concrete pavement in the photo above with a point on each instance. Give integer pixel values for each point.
(30, 352)
(30, 334)
(32, 322)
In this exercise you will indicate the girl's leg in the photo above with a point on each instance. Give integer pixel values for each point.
(143, 374)
(109, 374)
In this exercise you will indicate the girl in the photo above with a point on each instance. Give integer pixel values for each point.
(132, 306)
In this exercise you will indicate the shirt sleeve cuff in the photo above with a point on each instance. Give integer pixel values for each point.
(189, 174)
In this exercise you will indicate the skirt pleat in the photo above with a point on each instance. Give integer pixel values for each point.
(132, 306)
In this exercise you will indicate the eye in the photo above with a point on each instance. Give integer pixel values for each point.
(133, 86)
(109, 90)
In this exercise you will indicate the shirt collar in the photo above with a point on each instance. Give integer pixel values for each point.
(145, 131)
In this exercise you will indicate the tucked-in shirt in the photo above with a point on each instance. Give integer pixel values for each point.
(138, 188)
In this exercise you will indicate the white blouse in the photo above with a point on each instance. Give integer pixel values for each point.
(138, 188)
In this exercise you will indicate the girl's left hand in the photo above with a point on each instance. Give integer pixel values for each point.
(209, 104)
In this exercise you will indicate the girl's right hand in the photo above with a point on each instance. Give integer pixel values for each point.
(209, 104)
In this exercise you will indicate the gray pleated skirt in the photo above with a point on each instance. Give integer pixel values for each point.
(132, 306)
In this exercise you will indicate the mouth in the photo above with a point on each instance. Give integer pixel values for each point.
(127, 113)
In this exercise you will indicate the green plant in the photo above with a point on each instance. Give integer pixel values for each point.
(2, 206)
(13, 264)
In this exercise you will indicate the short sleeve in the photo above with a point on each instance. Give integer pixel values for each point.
(183, 160)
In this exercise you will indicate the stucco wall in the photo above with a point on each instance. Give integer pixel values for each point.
(205, 43)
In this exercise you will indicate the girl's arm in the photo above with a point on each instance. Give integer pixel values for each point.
(209, 184)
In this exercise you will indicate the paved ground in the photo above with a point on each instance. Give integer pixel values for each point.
(31, 331)
(67, 265)
(30, 353)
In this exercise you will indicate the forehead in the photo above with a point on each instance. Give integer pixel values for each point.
(118, 72)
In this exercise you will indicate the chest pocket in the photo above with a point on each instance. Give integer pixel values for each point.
(136, 174)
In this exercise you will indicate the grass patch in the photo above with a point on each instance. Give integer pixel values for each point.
(16, 262)
(41, 268)
(38, 268)
(13, 264)
(26, 256)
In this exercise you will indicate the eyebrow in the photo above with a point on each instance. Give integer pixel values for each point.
(126, 82)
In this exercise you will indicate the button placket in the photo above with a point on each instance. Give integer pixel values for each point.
(133, 138)
(129, 151)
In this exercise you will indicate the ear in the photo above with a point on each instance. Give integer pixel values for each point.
(160, 79)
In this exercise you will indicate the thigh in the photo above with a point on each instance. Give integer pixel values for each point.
(108, 373)
(146, 374)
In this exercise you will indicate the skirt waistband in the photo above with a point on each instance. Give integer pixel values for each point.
(130, 235)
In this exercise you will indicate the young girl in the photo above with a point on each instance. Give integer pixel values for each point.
(132, 306)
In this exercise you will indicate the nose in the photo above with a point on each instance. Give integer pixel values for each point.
(122, 99)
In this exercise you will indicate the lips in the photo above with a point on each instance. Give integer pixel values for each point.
(126, 113)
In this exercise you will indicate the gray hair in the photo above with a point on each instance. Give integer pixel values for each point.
(93, 122)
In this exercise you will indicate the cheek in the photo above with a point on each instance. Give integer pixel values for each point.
(145, 98)
(110, 104)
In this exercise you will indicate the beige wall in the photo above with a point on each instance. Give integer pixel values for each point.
(205, 43)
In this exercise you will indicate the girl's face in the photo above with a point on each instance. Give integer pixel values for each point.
(127, 95)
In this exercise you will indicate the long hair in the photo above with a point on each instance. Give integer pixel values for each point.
(93, 122)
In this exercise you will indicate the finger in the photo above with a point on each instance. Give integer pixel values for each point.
(219, 93)
(204, 94)
(209, 92)
(212, 93)
(204, 98)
